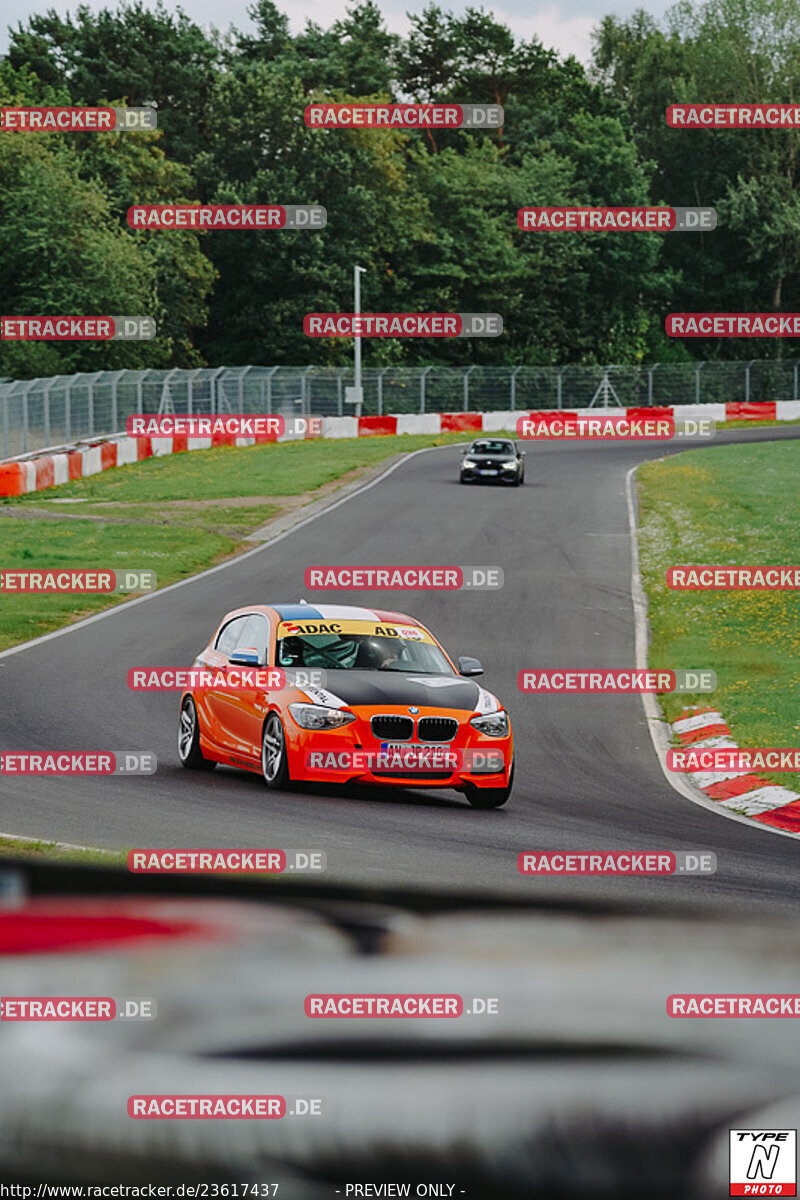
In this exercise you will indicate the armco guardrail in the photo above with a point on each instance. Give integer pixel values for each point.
(40, 413)
(36, 471)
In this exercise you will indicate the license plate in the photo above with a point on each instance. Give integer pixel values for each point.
(405, 758)
(489, 471)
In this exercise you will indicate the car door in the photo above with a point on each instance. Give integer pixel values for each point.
(246, 707)
(214, 702)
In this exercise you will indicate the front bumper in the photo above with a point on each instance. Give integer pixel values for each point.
(353, 755)
(484, 475)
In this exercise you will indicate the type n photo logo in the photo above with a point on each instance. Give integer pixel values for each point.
(763, 1162)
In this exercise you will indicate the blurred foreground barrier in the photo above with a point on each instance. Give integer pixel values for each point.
(579, 1086)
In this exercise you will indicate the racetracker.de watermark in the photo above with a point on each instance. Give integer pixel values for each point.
(725, 759)
(77, 329)
(223, 1107)
(266, 426)
(77, 1008)
(177, 862)
(628, 219)
(324, 325)
(403, 116)
(740, 1004)
(733, 116)
(408, 759)
(552, 681)
(630, 425)
(78, 762)
(448, 579)
(93, 582)
(222, 678)
(715, 578)
(77, 120)
(731, 325)
(617, 862)
(387, 1005)
(227, 216)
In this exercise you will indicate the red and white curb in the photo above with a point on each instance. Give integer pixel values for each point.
(778, 815)
(35, 472)
(740, 792)
(38, 471)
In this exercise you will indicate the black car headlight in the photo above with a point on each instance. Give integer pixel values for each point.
(492, 724)
(509, 466)
(317, 716)
(469, 462)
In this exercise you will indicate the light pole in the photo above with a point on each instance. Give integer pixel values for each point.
(358, 390)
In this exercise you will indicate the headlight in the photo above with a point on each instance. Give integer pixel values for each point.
(317, 716)
(494, 724)
(509, 466)
(468, 462)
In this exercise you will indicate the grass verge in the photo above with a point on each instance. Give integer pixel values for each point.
(271, 469)
(746, 423)
(727, 505)
(176, 515)
(87, 856)
(58, 852)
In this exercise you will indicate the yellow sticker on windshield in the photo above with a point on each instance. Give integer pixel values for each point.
(410, 633)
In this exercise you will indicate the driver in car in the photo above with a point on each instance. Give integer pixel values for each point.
(291, 652)
(381, 653)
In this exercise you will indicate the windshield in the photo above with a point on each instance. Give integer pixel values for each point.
(362, 652)
(504, 449)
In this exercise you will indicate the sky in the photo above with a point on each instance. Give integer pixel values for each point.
(564, 25)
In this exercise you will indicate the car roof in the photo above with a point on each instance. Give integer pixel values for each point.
(324, 612)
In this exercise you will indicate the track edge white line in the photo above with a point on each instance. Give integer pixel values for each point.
(656, 722)
(229, 562)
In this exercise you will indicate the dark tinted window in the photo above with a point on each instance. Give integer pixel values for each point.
(502, 449)
(362, 652)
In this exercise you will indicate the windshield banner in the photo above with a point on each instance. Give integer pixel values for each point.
(322, 627)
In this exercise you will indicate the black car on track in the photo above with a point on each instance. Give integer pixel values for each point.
(496, 460)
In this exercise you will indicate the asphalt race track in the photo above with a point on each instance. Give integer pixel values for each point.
(587, 775)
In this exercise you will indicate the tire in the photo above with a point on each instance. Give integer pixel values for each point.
(274, 759)
(189, 751)
(490, 797)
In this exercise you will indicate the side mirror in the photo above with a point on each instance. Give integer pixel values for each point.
(469, 666)
(247, 657)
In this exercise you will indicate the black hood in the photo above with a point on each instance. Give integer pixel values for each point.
(394, 687)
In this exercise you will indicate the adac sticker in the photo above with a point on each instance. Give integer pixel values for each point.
(368, 628)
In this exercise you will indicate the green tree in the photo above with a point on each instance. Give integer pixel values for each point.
(63, 253)
(131, 169)
(356, 55)
(272, 38)
(268, 281)
(719, 51)
(145, 56)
